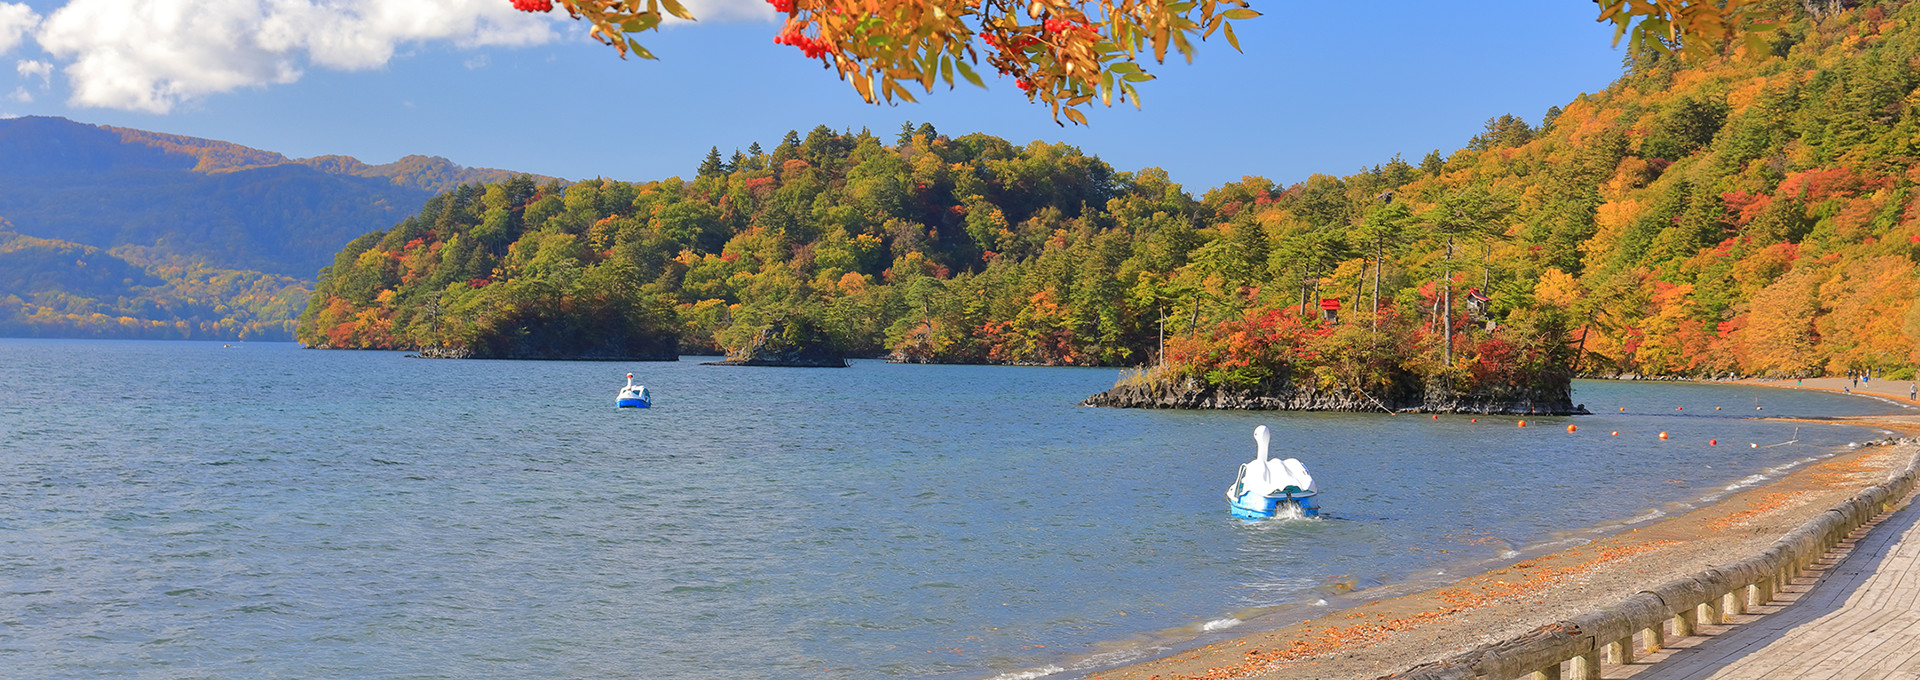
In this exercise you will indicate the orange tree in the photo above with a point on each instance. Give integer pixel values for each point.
(1063, 53)
(1068, 53)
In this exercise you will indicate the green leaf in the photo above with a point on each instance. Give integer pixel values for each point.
(967, 72)
(946, 69)
(1123, 67)
(1240, 13)
(639, 51)
(1231, 39)
(1137, 77)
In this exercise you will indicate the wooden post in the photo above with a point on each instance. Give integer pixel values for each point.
(1710, 612)
(1683, 623)
(1621, 650)
(1656, 638)
(1737, 601)
(1587, 666)
(1763, 591)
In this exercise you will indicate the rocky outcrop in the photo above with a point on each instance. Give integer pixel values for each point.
(654, 352)
(1190, 393)
(773, 346)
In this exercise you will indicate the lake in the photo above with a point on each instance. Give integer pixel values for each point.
(183, 509)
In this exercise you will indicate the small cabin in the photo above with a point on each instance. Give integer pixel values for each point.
(1330, 310)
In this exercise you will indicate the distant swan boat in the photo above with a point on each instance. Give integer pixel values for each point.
(1267, 488)
(633, 396)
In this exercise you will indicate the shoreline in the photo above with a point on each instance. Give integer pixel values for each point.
(1392, 627)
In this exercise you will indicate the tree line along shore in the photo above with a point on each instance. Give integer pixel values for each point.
(1746, 216)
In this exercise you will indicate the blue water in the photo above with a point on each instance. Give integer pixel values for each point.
(175, 510)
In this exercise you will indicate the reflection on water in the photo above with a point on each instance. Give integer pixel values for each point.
(188, 509)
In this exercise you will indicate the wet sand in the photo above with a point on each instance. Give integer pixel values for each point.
(1389, 635)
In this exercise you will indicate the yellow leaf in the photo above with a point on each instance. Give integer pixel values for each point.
(674, 7)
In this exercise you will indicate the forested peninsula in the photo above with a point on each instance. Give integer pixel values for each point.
(1750, 216)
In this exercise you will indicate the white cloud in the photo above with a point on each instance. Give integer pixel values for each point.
(29, 68)
(151, 55)
(20, 94)
(717, 11)
(16, 19)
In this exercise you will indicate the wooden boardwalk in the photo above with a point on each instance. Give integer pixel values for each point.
(1855, 616)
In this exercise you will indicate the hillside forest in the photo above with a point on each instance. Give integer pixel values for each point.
(1754, 216)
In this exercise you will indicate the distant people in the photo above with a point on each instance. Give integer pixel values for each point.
(1912, 391)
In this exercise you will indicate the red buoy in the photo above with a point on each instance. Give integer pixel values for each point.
(1571, 428)
(1713, 442)
(1663, 435)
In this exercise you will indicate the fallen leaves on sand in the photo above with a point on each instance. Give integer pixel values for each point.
(1315, 642)
(1769, 503)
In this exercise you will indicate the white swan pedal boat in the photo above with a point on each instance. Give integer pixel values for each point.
(1268, 488)
(633, 396)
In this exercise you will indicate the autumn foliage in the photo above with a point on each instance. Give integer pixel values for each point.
(1747, 216)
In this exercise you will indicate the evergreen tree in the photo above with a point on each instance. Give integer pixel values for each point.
(712, 166)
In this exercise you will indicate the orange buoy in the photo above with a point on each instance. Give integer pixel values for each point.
(1713, 442)
(1523, 423)
(1571, 428)
(1623, 409)
(1716, 408)
(1616, 433)
(1663, 435)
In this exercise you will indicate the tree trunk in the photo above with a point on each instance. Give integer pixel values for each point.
(1446, 315)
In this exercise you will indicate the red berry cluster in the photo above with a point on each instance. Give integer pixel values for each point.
(808, 45)
(533, 5)
(1024, 84)
(782, 6)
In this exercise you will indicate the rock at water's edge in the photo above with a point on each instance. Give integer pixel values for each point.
(463, 353)
(1191, 394)
(770, 348)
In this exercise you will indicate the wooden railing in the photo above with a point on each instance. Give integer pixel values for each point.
(1680, 606)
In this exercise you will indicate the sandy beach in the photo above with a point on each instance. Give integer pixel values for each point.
(1395, 633)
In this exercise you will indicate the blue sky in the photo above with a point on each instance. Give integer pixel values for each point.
(1327, 87)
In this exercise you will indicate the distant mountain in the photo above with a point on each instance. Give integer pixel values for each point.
(205, 201)
(123, 233)
(53, 288)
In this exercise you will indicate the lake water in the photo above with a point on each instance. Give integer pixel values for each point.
(177, 510)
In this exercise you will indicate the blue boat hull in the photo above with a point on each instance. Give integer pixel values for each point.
(632, 403)
(1249, 506)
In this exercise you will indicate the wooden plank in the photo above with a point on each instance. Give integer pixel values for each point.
(1852, 616)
